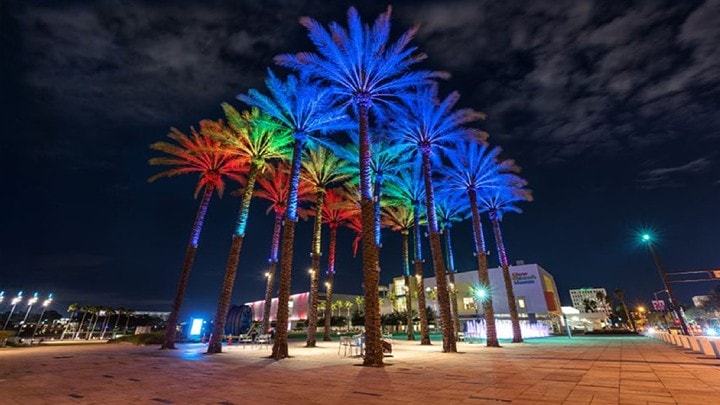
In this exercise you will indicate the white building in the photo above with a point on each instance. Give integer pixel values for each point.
(578, 297)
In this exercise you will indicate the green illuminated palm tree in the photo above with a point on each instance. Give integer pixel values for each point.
(257, 138)
(304, 109)
(399, 218)
(471, 168)
(337, 211)
(200, 154)
(274, 186)
(321, 170)
(450, 209)
(364, 68)
(408, 190)
(497, 200)
(430, 125)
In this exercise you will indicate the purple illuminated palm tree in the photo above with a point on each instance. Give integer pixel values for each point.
(399, 218)
(303, 108)
(431, 125)
(408, 190)
(451, 209)
(497, 201)
(195, 154)
(321, 170)
(273, 186)
(472, 167)
(364, 68)
(254, 136)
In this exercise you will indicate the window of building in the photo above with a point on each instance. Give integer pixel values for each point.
(468, 303)
(521, 303)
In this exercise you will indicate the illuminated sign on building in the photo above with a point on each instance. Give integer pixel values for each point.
(523, 278)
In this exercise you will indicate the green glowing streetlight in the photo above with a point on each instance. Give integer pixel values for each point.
(646, 237)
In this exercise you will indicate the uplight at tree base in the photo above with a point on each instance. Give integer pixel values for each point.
(476, 330)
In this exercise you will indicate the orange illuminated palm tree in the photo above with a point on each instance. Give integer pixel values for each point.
(274, 186)
(399, 218)
(194, 154)
(259, 139)
(336, 211)
(321, 170)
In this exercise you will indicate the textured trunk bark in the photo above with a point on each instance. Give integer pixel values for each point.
(329, 279)
(451, 278)
(315, 253)
(271, 270)
(280, 344)
(62, 335)
(377, 193)
(171, 325)
(218, 335)
(82, 321)
(492, 340)
(449, 345)
(371, 265)
(512, 303)
(408, 284)
(418, 261)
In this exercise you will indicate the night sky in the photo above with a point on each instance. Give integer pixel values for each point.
(611, 108)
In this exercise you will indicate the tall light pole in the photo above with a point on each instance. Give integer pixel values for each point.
(30, 303)
(676, 308)
(14, 303)
(44, 305)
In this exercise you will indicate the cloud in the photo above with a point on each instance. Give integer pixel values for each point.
(675, 176)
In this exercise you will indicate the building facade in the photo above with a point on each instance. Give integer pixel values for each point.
(580, 296)
(298, 306)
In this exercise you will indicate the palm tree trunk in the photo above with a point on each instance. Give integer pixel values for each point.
(62, 336)
(218, 334)
(280, 344)
(171, 325)
(502, 254)
(104, 326)
(371, 264)
(377, 190)
(418, 261)
(451, 278)
(127, 322)
(481, 255)
(94, 317)
(82, 321)
(449, 345)
(329, 278)
(277, 227)
(117, 319)
(408, 285)
(316, 253)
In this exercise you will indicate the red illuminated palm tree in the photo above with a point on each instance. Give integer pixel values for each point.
(321, 170)
(399, 218)
(257, 138)
(363, 67)
(336, 211)
(273, 186)
(430, 125)
(199, 154)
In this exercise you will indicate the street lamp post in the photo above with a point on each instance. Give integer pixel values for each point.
(44, 305)
(14, 303)
(676, 308)
(30, 303)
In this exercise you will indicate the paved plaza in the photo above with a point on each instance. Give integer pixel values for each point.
(558, 370)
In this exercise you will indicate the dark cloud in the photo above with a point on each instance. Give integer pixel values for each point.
(676, 176)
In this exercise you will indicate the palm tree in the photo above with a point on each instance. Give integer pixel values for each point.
(303, 108)
(472, 168)
(364, 68)
(321, 170)
(408, 190)
(128, 314)
(400, 219)
(274, 186)
(85, 310)
(429, 125)
(497, 200)
(72, 308)
(94, 315)
(450, 209)
(194, 154)
(589, 305)
(620, 295)
(258, 139)
(107, 313)
(118, 312)
(336, 212)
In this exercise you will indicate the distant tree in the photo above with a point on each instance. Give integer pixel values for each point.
(620, 295)
(713, 301)
(589, 305)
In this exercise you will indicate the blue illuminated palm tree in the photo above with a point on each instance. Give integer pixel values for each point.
(431, 125)
(364, 68)
(451, 209)
(496, 201)
(408, 190)
(258, 139)
(305, 109)
(471, 167)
